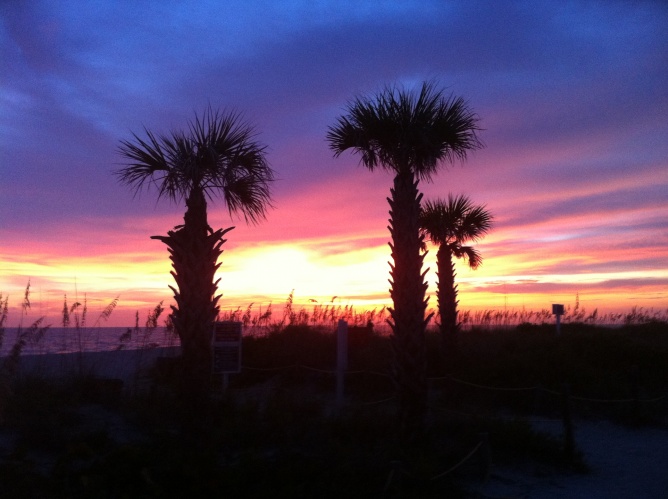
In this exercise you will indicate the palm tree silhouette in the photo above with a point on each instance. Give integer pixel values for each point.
(217, 156)
(450, 225)
(409, 134)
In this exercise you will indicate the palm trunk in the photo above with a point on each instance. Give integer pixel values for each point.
(408, 321)
(194, 250)
(447, 299)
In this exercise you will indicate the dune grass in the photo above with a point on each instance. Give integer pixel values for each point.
(260, 320)
(276, 432)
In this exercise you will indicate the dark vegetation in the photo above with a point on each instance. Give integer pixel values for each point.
(277, 432)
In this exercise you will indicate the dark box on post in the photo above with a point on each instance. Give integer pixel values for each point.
(226, 340)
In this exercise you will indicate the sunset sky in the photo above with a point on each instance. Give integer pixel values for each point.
(572, 97)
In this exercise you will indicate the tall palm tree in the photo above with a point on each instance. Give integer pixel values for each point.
(217, 156)
(450, 225)
(410, 135)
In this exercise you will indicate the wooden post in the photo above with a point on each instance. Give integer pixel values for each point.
(341, 360)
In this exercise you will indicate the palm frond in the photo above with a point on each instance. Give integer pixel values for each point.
(477, 222)
(397, 129)
(454, 222)
(218, 154)
(470, 254)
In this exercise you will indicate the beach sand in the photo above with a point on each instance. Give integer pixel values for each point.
(125, 365)
(624, 463)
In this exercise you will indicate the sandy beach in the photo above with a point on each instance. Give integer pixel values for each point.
(126, 365)
(624, 462)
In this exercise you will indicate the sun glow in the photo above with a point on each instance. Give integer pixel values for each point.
(272, 273)
(527, 263)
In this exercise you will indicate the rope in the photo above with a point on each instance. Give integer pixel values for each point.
(655, 399)
(495, 417)
(497, 388)
(468, 456)
(316, 370)
(613, 401)
(268, 368)
(326, 371)
(382, 401)
(468, 383)
(459, 413)
(294, 366)
(440, 475)
(585, 399)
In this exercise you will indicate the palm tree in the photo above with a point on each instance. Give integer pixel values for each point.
(450, 225)
(409, 134)
(217, 156)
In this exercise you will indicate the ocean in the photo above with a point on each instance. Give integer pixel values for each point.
(97, 339)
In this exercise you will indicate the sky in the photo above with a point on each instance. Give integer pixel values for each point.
(572, 98)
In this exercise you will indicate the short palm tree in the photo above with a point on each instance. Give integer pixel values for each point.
(450, 225)
(411, 135)
(217, 156)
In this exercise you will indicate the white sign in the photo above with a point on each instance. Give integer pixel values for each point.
(226, 340)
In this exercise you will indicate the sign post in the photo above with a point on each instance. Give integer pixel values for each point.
(558, 311)
(341, 360)
(226, 342)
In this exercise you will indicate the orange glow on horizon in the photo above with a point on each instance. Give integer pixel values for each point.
(263, 274)
(527, 264)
